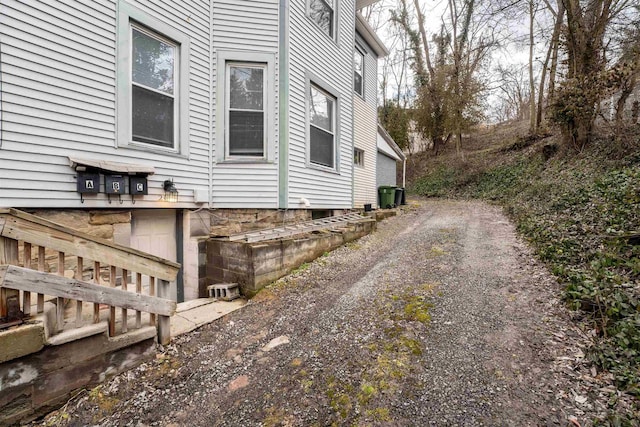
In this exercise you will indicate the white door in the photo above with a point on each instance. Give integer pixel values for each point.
(154, 231)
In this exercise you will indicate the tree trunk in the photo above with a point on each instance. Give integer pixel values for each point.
(555, 43)
(532, 87)
(586, 27)
(627, 90)
(552, 52)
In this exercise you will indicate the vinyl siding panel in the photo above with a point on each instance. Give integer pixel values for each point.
(59, 68)
(366, 132)
(245, 26)
(365, 137)
(313, 53)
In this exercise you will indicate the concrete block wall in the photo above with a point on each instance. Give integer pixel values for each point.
(255, 265)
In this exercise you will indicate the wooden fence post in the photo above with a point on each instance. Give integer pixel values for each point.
(164, 322)
(9, 298)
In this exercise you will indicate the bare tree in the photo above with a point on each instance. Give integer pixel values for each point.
(446, 68)
(532, 87)
(587, 82)
(513, 91)
(552, 56)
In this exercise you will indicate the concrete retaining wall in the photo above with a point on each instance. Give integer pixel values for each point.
(33, 385)
(255, 265)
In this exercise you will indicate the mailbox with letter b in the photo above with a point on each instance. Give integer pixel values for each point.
(114, 184)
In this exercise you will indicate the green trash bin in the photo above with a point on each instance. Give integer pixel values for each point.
(387, 196)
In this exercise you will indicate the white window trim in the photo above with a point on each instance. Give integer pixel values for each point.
(357, 49)
(312, 80)
(334, 25)
(128, 18)
(250, 58)
(227, 101)
(361, 151)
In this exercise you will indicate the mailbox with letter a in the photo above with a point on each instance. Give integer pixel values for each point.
(88, 182)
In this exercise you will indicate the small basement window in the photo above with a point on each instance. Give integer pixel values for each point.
(358, 157)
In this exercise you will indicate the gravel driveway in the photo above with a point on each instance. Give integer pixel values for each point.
(441, 317)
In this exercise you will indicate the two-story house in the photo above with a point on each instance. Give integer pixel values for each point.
(142, 121)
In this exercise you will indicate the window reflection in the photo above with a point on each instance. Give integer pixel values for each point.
(321, 12)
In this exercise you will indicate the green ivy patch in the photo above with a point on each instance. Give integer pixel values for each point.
(581, 215)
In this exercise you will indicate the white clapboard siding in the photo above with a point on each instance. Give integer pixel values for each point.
(365, 137)
(59, 66)
(313, 52)
(366, 132)
(242, 25)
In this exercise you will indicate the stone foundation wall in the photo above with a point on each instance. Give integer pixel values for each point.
(113, 225)
(226, 222)
(255, 265)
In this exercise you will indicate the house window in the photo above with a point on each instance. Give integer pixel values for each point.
(245, 112)
(153, 89)
(321, 12)
(358, 157)
(358, 72)
(322, 108)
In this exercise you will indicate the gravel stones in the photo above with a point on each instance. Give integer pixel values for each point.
(441, 317)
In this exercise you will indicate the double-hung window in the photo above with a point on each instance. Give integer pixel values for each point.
(322, 120)
(358, 71)
(245, 115)
(154, 89)
(152, 82)
(322, 13)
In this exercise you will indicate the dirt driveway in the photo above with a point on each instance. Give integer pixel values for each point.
(441, 317)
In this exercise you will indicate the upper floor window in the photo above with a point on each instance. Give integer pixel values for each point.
(358, 71)
(322, 118)
(153, 88)
(245, 113)
(152, 83)
(322, 13)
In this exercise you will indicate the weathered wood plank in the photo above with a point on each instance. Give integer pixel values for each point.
(96, 280)
(152, 293)
(41, 259)
(9, 251)
(8, 255)
(125, 325)
(112, 309)
(26, 296)
(138, 291)
(164, 322)
(108, 166)
(29, 228)
(60, 301)
(20, 278)
(80, 267)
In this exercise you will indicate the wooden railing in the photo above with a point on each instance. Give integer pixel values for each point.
(27, 241)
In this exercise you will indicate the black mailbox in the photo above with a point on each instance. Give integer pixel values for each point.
(138, 185)
(88, 182)
(114, 184)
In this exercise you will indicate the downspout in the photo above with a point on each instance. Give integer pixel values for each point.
(404, 173)
(283, 101)
(211, 107)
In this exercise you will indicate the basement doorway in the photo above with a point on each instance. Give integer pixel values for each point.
(154, 231)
